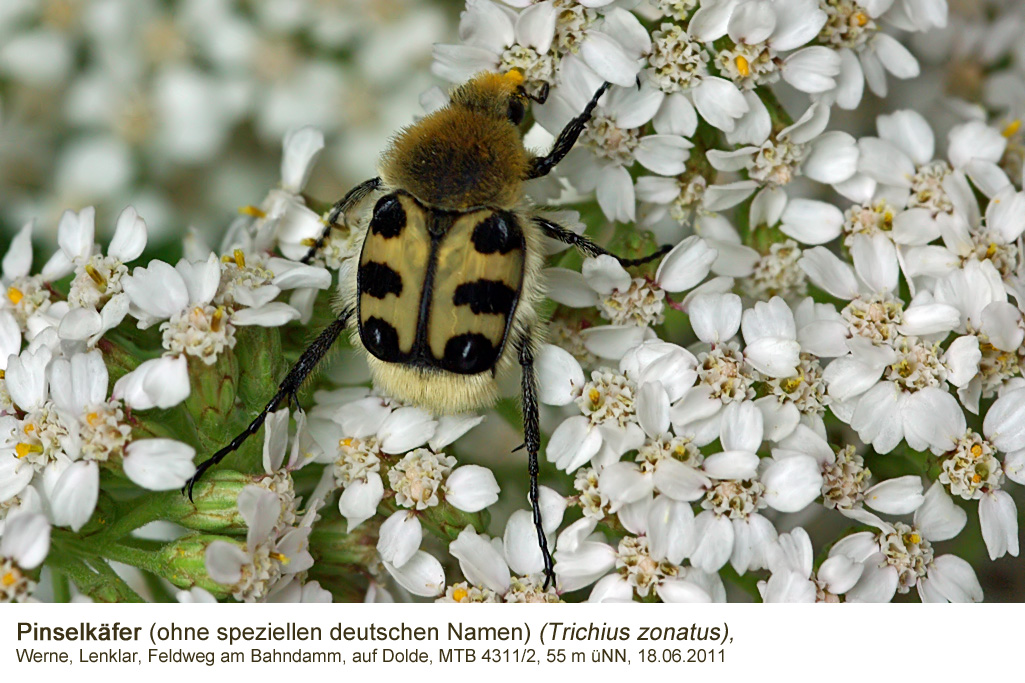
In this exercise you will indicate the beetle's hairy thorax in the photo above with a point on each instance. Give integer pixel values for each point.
(456, 159)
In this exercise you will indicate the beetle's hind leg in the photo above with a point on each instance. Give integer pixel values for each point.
(588, 248)
(341, 207)
(532, 440)
(287, 390)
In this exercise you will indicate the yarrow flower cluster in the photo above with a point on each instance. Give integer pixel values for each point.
(828, 353)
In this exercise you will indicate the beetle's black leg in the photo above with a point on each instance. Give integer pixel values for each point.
(353, 197)
(532, 437)
(541, 166)
(589, 248)
(288, 389)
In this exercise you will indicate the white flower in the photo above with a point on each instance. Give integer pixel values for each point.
(678, 66)
(272, 553)
(488, 566)
(497, 40)
(97, 301)
(900, 556)
(762, 30)
(612, 139)
(24, 546)
(866, 53)
(802, 148)
(792, 579)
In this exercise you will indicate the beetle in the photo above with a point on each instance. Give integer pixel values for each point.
(445, 296)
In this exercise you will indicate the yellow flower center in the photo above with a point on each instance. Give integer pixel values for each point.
(254, 211)
(15, 295)
(8, 579)
(92, 419)
(1011, 128)
(459, 594)
(97, 277)
(215, 320)
(861, 18)
(976, 450)
(23, 449)
(743, 66)
(283, 559)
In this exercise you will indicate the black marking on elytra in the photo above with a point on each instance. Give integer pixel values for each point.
(497, 233)
(485, 296)
(381, 339)
(389, 217)
(378, 280)
(469, 354)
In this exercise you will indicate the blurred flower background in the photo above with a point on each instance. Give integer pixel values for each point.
(838, 332)
(179, 108)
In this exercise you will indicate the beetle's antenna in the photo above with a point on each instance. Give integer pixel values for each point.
(353, 197)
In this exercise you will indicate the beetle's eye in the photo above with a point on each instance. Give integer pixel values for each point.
(516, 110)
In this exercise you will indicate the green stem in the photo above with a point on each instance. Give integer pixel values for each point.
(779, 116)
(61, 587)
(136, 557)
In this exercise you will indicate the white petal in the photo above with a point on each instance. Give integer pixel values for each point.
(715, 542)
(18, 258)
(26, 539)
(812, 69)
(719, 102)
(828, 272)
(1004, 425)
(224, 562)
(559, 375)
(898, 496)
(663, 154)
(686, 265)
(715, 317)
(450, 428)
(670, 530)
(616, 194)
(400, 538)
(75, 494)
(875, 260)
(938, 518)
(471, 488)
(359, 500)
(301, 148)
(832, 158)
(608, 59)
(158, 383)
(423, 575)
(908, 130)
(406, 429)
(573, 443)
(612, 341)
(479, 561)
(159, 464)
(962, 360)
(877, 418)
(954, 579)
(605, 274)
(679, 481)
(653, 408)
(811, 222)
(998, 517)
(569, 288)
(792, 484)
(129, 239)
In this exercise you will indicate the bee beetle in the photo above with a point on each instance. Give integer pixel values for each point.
(445, 295)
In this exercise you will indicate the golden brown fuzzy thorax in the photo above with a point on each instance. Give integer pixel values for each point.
(456, 159)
